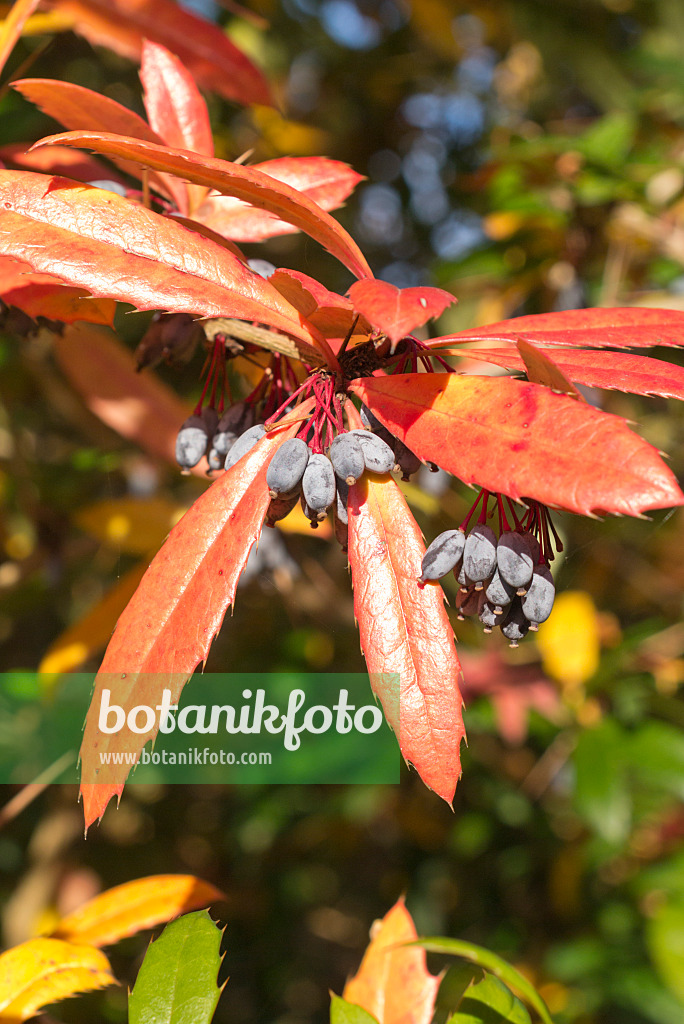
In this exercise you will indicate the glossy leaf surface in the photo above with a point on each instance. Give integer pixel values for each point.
(43, 971)
(246, 183)
(618, 371)
(398, 311)
(326, 182)
(406, 636)
(175, 108)
(169, 625)
(596, 328)
(203, 48)
(393, 983)
(177, 982)
(94, 239)
(523, 440)
(81, 109)
(133, 906)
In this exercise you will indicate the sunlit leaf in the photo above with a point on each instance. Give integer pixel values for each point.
(596, 328)
(175, 108)
(406, 636)
(11, 28)
(46, 296)
(94, 239)
(128, 908)
(168, 626)
(327, 182)
(202, 47)
(43, 971)
(82, 109)
(514, 437)
(246, 183)
(618, 371)
(569, 639)
(177, 982)
(398, 311)
(393, 983)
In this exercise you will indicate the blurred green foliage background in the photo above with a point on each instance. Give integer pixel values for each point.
(529, 157)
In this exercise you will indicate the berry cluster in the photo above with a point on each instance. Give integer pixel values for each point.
(507, 581)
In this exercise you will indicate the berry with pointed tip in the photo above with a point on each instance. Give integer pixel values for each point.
(377, 454)
(514, 559)
(479, 554)
(244, 443)
(407, 461)
(371, 421)
(469, 602)
(442, 555)
(318, 485)
(191, 442)
(346, 455)
(499, 593)
(515, 626)
(286, 468)
(489, 617)
(538, 601)
(281, 506)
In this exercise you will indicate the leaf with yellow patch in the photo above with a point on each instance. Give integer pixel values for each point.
(43, 971)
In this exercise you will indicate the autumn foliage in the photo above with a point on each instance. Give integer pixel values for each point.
(70, 249)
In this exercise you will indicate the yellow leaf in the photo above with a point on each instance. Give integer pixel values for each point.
(43, 971)
(135, 525)
(93, 632)
(129, 908)
(569, 639)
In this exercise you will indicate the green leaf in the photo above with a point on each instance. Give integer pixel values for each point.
(665, 940)
(602, 795)
(342, 1012)
(490, 1002)
(493, 963)
(177, 981)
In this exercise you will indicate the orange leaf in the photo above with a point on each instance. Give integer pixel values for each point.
(393, 983)
(127, 909)
(543, 369)
(406, 636)
(137, 405)
(203, 48)
(82, 109)
(117, 249)
(61, 160)
(45, 295)
(12, 26)
(43, 971)
(398, 311)
(595, 328)
(168, 626)
(326, 182)
(175, 108)
(246, 183)
(523, 440)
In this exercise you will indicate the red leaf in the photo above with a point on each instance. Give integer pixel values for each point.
(595, 328)
(331, 313)
(393, 983)
(204, 49)
(44, 295)
(326, 182)
(175, 108)
(230, 179)
(617, 371)
(398, 311)
(117, 249)
(60, 160)
(523, 440)
(138, 406)
(542, 368)
(84, 110)
(406, 636)
(173, 617)
(13, 25)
